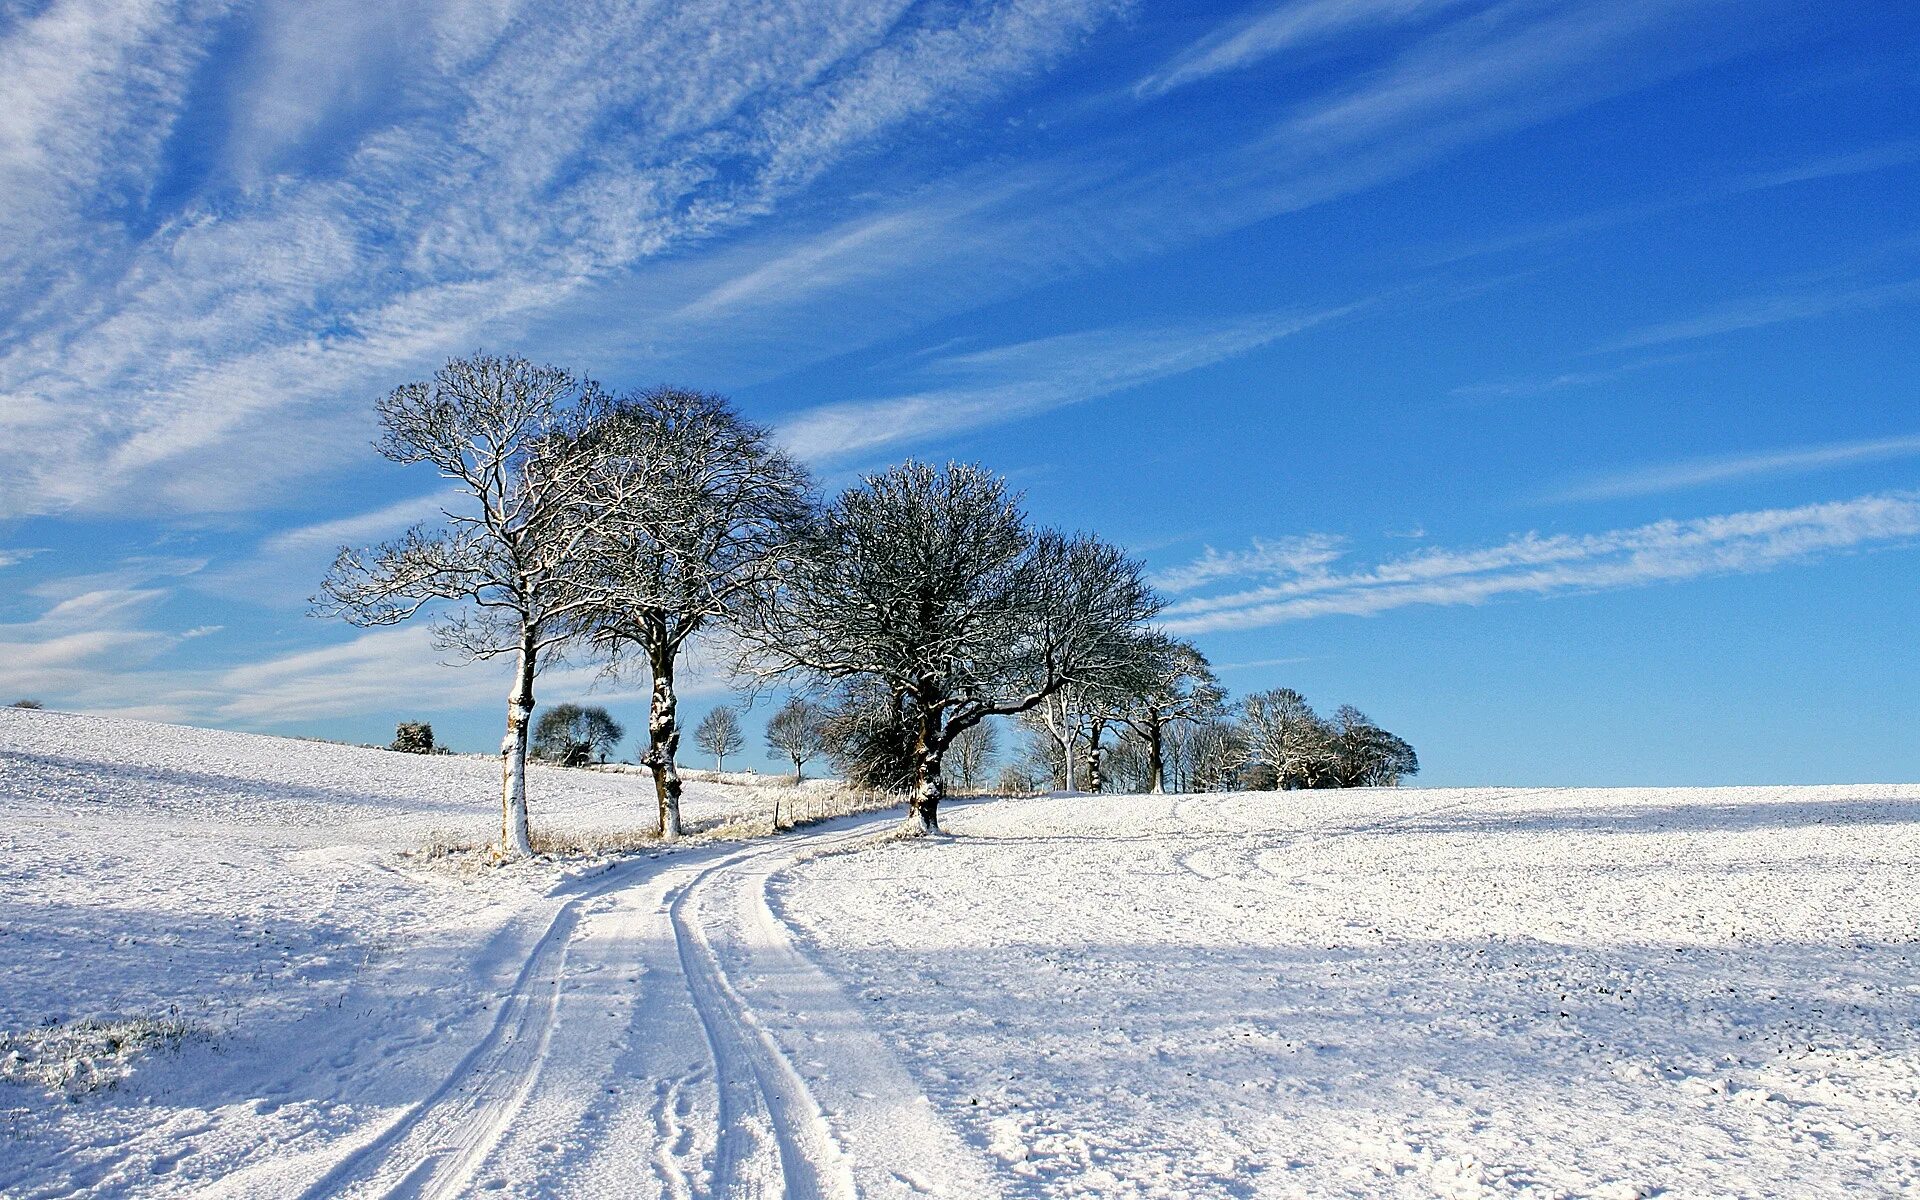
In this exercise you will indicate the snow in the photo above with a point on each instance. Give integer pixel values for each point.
(1406, 993)
(1493, 992)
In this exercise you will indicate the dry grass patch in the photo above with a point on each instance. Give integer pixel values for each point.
(591, 843)
(88, 1055)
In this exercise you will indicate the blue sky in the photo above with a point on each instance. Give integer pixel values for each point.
(1539, 377)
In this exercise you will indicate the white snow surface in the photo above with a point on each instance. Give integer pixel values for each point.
(1478, 992)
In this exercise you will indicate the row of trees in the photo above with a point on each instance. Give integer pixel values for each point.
(918, 605)
(1177, 734)
(623, 526)
(1192, 740)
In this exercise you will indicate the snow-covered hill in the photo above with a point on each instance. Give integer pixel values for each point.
(1406, 993)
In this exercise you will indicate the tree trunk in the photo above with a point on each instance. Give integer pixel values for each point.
(1066, 759)
(1094, 782)
(515, 840)
(923, 809)
(796, 772)
(663, 746)
(1156, 762)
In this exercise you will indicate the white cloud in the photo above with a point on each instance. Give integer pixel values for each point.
(360, 527)
(205, 359)
(1830, 166)
(1536, 565)
(1287, 27)
(98, 647)
(1701, 472)
(1276, 556)
(1008, 382)
(1541, 385)
(287, 566)
(1477, 67)
(549, 164)
(1759, 312)
(94, 631)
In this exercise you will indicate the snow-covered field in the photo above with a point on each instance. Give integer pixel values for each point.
(1687, 992)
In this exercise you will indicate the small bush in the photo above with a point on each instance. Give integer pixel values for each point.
(26, 704)
(413, 737)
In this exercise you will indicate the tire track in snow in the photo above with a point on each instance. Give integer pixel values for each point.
(1251, 868)
(769, 1137)
(439, 1144)
(773, 1139)
(892, 1141)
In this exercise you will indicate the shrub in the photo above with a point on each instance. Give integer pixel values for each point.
(413, 737)
(26, 704)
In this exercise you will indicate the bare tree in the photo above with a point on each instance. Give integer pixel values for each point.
(694, 509)
(1365, 755)
(1105, 703)
(1285, 733)
(797, 731)
(1176, 686)
(719, 735)
(870, 733)
(1176, 751)
(1057, 719)
(1218, 749)
(930, 582)
(573, 735)
(1100, 706)
(1123, 768)
(973, 751)
(503, 565)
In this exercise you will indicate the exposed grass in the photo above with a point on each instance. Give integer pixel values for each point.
(88, 1055)
(807, 804)
(590, 843)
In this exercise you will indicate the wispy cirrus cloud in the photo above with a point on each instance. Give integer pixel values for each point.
(101, 644)
(1007, 382)
(337, 239)
(220, 338)
(1289, 27)
(1760, 312)
(1288, 556)
(287, 565)
(1536, 565)
(1543, 384)
(1866, 160)
(91, 630)
(1702, 472)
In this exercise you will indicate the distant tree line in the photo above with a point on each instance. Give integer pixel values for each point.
(916, 608)
(1269, 740)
